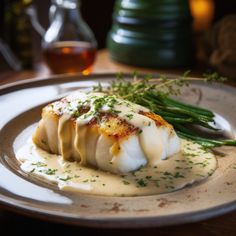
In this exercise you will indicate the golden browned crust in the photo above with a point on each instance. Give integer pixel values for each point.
(115, 127)
(110, 124)
(158, 119)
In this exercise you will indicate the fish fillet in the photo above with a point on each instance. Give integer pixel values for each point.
(105, 132)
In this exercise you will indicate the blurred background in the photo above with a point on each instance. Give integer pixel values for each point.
(213, 33)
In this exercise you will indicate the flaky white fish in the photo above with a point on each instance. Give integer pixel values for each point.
(105, 132)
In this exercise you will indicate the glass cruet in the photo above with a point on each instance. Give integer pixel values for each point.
(69, 45)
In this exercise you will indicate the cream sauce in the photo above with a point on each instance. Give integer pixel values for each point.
(101, 102)
(190, 165)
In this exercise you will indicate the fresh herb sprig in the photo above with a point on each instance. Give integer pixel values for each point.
(155, 94)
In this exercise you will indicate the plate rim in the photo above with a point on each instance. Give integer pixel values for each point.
(127, 222)
(67, 78)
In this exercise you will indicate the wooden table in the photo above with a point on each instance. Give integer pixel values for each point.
(103, 64)
(18, 224)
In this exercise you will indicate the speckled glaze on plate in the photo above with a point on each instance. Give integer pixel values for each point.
(20, 110)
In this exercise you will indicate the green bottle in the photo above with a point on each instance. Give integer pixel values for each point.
(153, 33)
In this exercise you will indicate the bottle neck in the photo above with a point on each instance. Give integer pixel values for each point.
(66, 4)
(67, 9)
(67, 24)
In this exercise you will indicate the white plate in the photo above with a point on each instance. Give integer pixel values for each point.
(20, 108)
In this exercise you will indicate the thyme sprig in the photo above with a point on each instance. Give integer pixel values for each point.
(155, 94)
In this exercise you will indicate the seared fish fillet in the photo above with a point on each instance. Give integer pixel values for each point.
(105, 132)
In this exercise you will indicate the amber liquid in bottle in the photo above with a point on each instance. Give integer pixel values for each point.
(70, 57)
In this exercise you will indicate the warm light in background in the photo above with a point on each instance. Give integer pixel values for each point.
(203, 13)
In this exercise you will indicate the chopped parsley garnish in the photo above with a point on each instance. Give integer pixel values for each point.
(39, 164)
(76, 113)
(178, 175)
(142, 183)
(187, 154)
(129, 116)
(66, 179)
(178, 168)
(200, 175)
(140, 131)
(50, 171)
(169, 187)
(148, 177)
(125, 182)
(115, 111)
(210, 173)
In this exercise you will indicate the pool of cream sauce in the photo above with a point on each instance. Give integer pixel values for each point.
(191, 164)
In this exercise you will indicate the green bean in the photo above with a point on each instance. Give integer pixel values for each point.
(178, 119)
(198, 110)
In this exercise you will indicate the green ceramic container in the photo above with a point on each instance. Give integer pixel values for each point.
(151, 33)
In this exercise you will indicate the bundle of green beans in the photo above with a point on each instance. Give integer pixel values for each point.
(179, 114)
(156, 97)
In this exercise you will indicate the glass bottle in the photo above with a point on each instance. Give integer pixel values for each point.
(68, 45)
